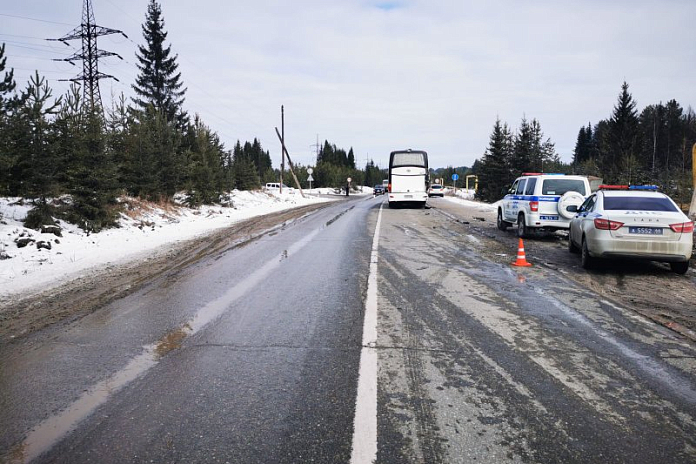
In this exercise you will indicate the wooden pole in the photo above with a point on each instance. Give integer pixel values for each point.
(282, 152)
(292, 168)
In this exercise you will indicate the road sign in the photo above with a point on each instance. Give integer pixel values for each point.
(455, 176)
(310, 171)
(310, 178)
(350, 180)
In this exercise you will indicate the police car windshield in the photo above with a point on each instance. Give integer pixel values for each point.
(634, 203)
(561, 186)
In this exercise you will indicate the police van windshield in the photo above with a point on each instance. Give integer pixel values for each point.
(638, 204)
(408, 159)
(561, 186)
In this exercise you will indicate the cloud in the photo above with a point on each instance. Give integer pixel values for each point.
(379, 76)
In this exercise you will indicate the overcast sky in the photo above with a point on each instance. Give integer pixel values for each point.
(384, 75)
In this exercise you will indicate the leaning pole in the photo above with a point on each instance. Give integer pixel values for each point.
(692, 208)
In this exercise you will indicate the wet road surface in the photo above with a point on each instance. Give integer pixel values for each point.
(252, 355)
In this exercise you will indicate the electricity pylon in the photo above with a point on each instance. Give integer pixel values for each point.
(88, 31)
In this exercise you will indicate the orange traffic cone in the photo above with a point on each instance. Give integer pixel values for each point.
(521, 259)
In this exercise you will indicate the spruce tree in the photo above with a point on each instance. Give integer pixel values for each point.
(494, 169)
(620, 160)
(523, 149)
(158, 83)
(8, 104)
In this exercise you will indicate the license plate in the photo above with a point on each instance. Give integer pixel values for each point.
(548, 218)
(645, 230)
(408, 196)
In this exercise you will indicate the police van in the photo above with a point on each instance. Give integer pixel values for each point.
(539, 201)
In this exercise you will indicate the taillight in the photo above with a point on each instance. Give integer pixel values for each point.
(534, 205)
(606, 224)
(389, 187)
(683, 227)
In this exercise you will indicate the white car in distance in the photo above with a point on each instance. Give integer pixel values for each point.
(635, 222)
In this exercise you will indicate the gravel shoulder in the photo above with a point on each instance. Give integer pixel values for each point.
(79, 297)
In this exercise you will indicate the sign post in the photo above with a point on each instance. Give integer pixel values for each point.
(455, 176)
(310, 171)
(348, 186)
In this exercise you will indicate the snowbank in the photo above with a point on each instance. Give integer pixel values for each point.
(466, 197)
(144, 227)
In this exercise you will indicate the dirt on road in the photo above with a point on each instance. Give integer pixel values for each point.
(77, 298)
(651, 289)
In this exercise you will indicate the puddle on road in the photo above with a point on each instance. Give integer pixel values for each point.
(172, 340)
(50, 431)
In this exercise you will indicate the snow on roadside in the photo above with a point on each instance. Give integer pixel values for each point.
(466, 198)
(145, 227)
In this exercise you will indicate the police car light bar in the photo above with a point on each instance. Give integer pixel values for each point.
(652, 188)
(543, 174)
(613, 187)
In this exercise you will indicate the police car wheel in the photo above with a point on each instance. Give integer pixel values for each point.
(679, 268)
(572, 247)
(588, 262)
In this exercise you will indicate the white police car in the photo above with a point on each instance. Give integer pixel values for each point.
(540, 202)
(635, 222)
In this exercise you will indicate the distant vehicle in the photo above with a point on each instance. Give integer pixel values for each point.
(436, 190)
(408, 177)
(379, 189)
(540, 202)
(635, 222)
(275, 187)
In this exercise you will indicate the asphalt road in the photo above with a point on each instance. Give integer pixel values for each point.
(252, 355)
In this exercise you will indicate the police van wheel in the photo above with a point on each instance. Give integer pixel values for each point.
(522, 231)
(502, 225)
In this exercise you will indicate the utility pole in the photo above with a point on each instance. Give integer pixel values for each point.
(88, 32)
(316, 146)
(282, 141)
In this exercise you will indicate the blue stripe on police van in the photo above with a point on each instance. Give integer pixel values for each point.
(532, 198)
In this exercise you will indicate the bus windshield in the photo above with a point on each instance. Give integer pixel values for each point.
(408, 159)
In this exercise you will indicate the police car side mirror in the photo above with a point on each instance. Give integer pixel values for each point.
(573, 209)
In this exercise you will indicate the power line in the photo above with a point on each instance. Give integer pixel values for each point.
(35, 19)
(88, 32)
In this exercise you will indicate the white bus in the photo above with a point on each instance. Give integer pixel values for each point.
(408, 177)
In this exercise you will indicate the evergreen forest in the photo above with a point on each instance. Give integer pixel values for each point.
(652, 146)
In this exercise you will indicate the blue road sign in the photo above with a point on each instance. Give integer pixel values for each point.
(455, 176)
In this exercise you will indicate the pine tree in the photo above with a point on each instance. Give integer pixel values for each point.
(620, 159)
(244, 170)
(523, 155)
(37, 164)
(351, 158)
(494, 169)
(9, 102)
(158, 83)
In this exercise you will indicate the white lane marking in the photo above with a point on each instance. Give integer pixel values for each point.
(365, 423)
(50, 431)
